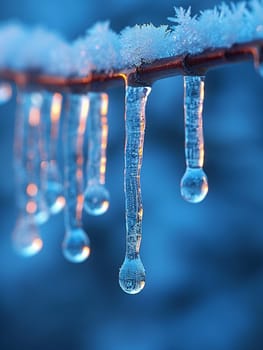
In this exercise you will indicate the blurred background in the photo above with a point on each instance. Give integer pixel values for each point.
(204, 262)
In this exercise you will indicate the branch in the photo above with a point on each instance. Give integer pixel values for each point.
(146, 74)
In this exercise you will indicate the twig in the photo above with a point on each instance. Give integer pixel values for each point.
(146, 74)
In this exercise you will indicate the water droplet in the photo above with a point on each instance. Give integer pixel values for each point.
(76, 246)
(96, 195)
(26, 239)
(96, 200)
(132, 276)
(5, 92)
(194, 185)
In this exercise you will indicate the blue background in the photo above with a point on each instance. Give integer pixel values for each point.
(204, 262)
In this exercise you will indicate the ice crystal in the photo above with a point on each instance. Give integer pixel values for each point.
(144, 43)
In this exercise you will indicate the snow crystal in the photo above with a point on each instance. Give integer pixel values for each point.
(101, 49)
(98, 50)
(220, 27)
(144, 43)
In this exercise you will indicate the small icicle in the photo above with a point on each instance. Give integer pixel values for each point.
(32, 209)
(5, 92)
(76, 245)
(132, 273)
(194, 185)
(96, 200)
(31, 105)
(53, 187)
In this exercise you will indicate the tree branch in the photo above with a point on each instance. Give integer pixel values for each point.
(146, 74)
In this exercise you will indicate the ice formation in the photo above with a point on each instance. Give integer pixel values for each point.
(194, 184)
(132, 273)
(101, 49)
(30, 198)
(40, 190)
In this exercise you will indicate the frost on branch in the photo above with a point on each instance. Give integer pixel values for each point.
(145, 43)
(36, 49)
(98, 50)
(101, 49)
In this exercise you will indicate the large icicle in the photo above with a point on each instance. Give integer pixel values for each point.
(96, 195)
(132, 273)
(76, 245)
(32, 207)
(194, 185)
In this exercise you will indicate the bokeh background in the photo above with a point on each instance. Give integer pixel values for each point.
(204, 262)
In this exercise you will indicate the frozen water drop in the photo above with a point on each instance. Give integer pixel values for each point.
(54, 191)
(96, 199)
(76, 246)
(26, 239)
(194, 185)
(132, 275)
(5, 92)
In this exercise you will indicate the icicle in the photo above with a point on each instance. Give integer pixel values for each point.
(194, 185)
(32, 209)
(31, 105)
(53, 188)
(5, 92)
(96, 200)
(76, 242)
(132, 273)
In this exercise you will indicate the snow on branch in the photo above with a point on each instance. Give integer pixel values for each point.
(189, 43)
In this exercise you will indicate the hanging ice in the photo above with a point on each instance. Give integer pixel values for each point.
(132, 273)
(5, 92)
(30, 105)
(32, 208)
(194, 185)
(76, 246)
(96, 200)
(53, 188)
